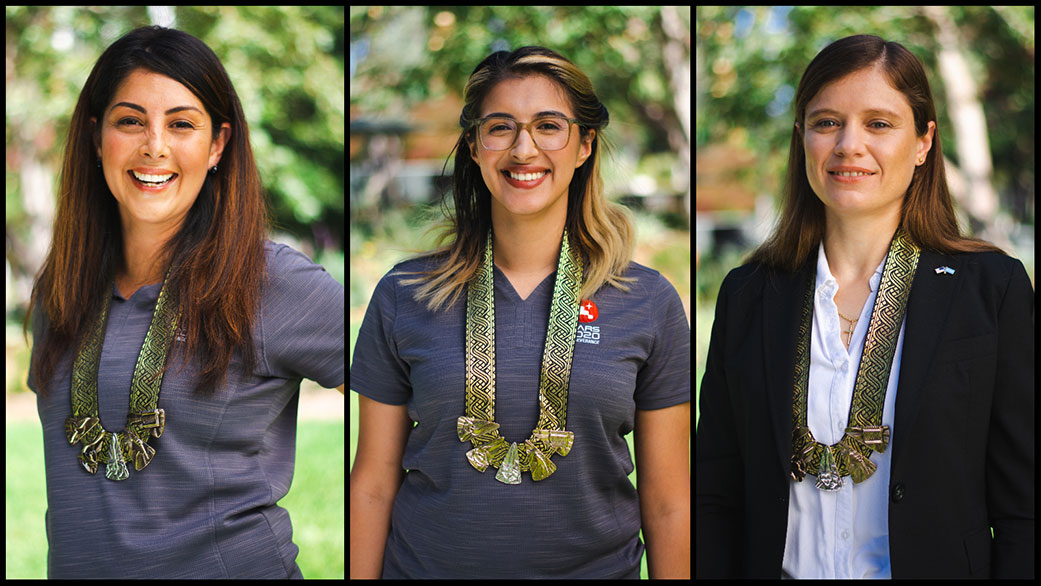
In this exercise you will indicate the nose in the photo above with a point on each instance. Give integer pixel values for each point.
(155, 145)
(524, 147)
(850, 142)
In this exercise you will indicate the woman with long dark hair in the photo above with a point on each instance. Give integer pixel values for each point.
(867, 409)
(170, 336)
(523, 389)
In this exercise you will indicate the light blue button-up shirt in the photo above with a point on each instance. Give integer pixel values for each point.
(841, 534)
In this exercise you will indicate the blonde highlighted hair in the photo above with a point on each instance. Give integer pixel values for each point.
(602, 231)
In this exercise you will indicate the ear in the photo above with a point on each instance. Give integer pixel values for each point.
(925, 142)
(473, 150)
(217, 146)
(585, 148)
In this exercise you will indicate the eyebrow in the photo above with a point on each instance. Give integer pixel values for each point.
(881, 111)
(539, 115)
(168, 112)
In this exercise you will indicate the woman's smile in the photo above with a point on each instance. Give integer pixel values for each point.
(151, 180)
(521, 178)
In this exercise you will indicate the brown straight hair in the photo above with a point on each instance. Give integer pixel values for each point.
(216, 260)
(927, 214)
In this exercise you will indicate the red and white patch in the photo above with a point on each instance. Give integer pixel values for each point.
(588, 312)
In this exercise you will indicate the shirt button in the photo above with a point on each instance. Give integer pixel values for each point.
(898, 492)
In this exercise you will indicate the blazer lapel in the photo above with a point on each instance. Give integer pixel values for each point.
(928, 308)
(782, 304)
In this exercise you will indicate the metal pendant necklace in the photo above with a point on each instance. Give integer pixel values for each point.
(478, 425)
(864, 434)
(144, 419)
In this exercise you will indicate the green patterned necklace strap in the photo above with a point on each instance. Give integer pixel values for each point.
(560, 341)
(864, 432)
(85, 367)
(478, 425)
(144, 419)
(480, 341)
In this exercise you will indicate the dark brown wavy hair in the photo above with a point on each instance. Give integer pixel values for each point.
(927, 214)
(602, 231)
(215, 261)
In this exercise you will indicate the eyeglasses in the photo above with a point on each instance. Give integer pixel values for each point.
(550, 133)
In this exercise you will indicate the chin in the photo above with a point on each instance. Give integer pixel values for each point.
(521, 206)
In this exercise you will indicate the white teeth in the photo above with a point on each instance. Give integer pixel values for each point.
(526, 176)
(152, 178)
(850, 174)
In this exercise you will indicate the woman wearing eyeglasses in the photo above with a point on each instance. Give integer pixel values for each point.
(524, 351)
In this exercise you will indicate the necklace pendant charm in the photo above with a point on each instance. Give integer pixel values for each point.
(510, 472)
(828, 478)
(117, 467)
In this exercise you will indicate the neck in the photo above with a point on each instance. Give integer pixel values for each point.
(527, 246)
(142, 252)
(855, 246)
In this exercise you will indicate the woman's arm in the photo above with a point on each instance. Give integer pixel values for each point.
(663, 482)
(375, 478)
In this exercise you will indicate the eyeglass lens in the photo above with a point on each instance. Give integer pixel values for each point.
(550, 133)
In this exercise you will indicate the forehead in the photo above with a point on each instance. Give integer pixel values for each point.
(524, 97)
(861, 91)
(154, 91)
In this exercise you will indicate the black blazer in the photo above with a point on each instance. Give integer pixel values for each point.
(963, 433)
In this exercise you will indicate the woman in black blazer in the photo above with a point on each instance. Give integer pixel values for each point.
(867, 409)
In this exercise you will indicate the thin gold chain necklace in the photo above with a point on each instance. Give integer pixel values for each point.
(852, 326)
(478, 425)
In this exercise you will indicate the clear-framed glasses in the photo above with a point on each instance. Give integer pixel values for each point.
(550, 133)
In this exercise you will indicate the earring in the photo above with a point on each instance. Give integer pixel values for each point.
(213, 170)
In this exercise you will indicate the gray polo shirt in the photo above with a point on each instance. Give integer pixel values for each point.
(451, 521)
(206, 506)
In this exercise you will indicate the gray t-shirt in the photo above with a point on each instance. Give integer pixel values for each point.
(206, 506)
(451, 521)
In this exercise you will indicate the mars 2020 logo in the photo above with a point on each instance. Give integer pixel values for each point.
(587, 314)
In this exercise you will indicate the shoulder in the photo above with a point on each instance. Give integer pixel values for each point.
(411, 268)
(401, 281)
(282, 258)
(647, 289)
(749, 281)
(396, 291)
(990, 264)
(981, 270)
(648, 282)
(291, 274)
(651, 305)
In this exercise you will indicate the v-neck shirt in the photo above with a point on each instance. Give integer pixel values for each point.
(449, 520)
(207, 504)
